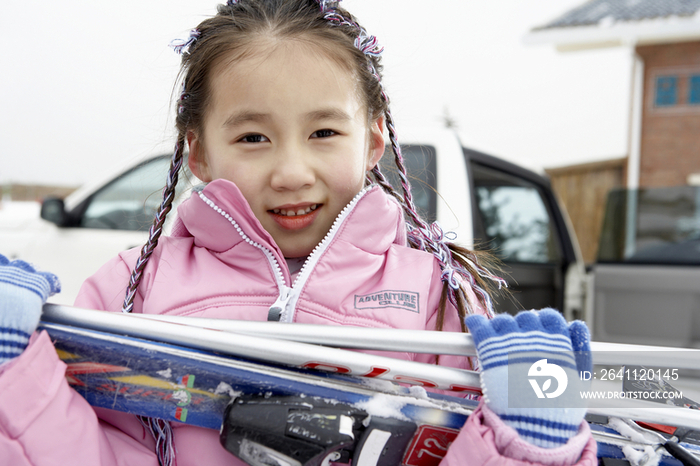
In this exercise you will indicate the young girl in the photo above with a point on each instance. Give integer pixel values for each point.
(283, 111)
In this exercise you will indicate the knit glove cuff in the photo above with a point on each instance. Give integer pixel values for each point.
(23, 291)
(530, 367)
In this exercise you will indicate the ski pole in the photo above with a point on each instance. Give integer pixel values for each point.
(421, 341)
(400, 340)
(271, 350)
(381, 339)
(366, 338)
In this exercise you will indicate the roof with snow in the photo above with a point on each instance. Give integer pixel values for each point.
(599, 23)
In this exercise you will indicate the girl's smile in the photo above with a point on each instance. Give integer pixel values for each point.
(285, 123)
(295, 217)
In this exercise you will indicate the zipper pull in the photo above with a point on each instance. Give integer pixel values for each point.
(278, 308)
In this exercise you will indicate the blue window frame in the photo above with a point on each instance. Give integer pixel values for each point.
(666, 91)
(694, 89)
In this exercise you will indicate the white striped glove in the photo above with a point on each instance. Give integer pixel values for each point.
(23, 291)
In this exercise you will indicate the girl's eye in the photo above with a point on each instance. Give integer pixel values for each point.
(323, 133)
(253, 138)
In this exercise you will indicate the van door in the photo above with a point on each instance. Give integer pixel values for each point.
(517, 217)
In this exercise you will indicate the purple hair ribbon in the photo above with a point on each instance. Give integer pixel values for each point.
(433, 239)
(182, 45)
(364, 42)
(368, 44)
(327, 5)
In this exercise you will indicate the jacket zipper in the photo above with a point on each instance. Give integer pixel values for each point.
(277, 309)
(311, 261)
(284, 307)
(284, 290)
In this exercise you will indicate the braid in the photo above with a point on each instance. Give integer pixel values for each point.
(160, 429)
(381, 180)
(409, 206)
(457, 264)
(431, 238)
(162, 433)
(157, 227)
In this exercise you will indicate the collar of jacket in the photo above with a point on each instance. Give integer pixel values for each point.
(372, 224)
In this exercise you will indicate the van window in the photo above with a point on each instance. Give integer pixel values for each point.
(514, 218)
(652, 225)
(130, 201)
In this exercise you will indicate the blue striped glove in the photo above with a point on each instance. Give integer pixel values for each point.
(23, 291)
(528, 362)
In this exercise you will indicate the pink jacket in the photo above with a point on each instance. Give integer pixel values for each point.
(220, 262)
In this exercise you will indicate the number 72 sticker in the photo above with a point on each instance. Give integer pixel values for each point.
(429, 446)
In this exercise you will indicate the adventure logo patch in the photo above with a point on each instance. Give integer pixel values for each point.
(407, 300)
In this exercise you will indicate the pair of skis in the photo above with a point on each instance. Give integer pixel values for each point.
(275, 402)
(189, 369)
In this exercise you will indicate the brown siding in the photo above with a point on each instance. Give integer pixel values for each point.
(30, 192)
(583, 190)
(670, 145)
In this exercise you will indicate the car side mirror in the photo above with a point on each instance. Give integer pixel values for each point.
(54, 211)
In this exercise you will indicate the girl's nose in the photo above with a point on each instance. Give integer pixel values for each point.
(292, 170)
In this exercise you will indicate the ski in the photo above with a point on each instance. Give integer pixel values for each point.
(136, 367)
(194, 387)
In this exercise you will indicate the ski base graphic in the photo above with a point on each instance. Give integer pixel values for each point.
(190, 386)
(193, 387)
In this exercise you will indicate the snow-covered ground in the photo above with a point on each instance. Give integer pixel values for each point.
(13, 214)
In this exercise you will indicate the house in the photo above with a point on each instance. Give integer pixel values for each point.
(664, 125)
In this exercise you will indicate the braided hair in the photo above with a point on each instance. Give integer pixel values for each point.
(231, 35)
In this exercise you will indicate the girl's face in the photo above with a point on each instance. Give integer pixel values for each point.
(287, 126)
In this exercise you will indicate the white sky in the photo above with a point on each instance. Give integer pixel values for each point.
(86, 85)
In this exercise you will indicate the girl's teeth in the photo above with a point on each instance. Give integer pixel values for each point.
(291, 213)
